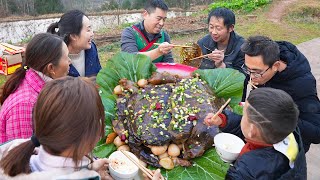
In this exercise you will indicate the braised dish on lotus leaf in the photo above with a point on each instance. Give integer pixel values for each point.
(161, 119)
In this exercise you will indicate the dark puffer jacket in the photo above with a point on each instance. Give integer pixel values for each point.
(233, 56)
(267, 163)
(298, 81)
(92, 63)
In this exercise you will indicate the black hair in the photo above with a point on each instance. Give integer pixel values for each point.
(264, 46)
(226, 14)
(70, 23)
(274, 112)
(43, 49)
(151, 5)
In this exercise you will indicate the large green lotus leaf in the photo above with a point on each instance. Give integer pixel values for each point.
(225, 83)
(124, 65)
(103, 150)
(207, 167)
(108, 102)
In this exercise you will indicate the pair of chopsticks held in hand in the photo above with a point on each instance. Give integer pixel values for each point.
(208, 121)
(203, 56)
(251, 84)
(184, 46)
(175, 45)
(227, 102)
(145, 170)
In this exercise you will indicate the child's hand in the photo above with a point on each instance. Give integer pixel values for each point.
(101, 166)
(156, 175)
(217, 121)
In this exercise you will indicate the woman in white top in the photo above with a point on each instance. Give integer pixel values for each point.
(75, 28)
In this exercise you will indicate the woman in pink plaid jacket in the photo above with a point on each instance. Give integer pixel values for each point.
(46, 59)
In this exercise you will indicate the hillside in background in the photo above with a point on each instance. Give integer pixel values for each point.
(40, 7)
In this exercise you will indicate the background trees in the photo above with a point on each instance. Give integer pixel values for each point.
(38, 7)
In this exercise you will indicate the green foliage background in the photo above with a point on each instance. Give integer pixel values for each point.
(243, 5)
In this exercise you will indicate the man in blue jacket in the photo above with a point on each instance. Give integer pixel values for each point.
(282, 66)
(222, 45)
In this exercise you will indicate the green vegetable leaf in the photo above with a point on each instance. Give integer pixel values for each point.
(207, 167)
(225, 83)
(109, 102)
(124, 65)
(103, 150)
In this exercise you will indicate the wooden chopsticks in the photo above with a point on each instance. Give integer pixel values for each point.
(145, 170)
(221, 109)
(175, 45)
(203, 56)
(251, 84)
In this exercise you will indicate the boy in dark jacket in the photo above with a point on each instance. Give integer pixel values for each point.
(222, 44)
(274, 149)
(282, 66)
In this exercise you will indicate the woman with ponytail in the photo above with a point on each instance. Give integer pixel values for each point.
(46, 59)
(68, 122)
(75, 29)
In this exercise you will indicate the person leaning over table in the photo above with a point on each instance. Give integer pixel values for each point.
(46, 59)
(273, 149)
(68, 123)
(222, 44)
(280, 65)
(140, 38)
(75, 29)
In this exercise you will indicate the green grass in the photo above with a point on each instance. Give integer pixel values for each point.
(107, 51)
(241, 5)
(296, 26)
(2, 79)
(119, 27)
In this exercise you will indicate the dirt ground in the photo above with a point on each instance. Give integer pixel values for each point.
(172, 26)
(311, 50)
(277, 11)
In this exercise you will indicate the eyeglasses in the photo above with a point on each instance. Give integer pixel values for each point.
(255, 74)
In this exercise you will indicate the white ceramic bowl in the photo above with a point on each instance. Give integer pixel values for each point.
(228, 146)
(121, 168)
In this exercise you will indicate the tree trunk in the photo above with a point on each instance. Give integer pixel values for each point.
(118, 16)
(7, 7)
